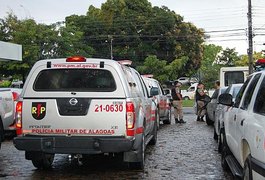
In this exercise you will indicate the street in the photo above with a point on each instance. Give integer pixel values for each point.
(183, 151)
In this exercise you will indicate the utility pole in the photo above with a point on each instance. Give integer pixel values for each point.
(250, 39)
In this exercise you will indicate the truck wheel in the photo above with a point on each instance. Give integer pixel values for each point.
(154, 133)
(168, 120)
(1, 132)
(44, 161)
(157, 119)
(140, 164)
(247, 171)
(208, 120)
(225, 152)
(215, 136)
(220, 140)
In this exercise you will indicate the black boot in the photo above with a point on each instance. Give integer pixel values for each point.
(198, 118)
(182, 121)
(177, 121)
(202, 118)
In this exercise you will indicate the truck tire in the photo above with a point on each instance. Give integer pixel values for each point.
(44, 161)
(220, 140)
(1, 132)
(215, 136)
(154, 133)
(168, 120)
(247, 171)
(141, 161)
(225, 152)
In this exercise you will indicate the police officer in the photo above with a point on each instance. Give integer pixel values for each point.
(177, 102)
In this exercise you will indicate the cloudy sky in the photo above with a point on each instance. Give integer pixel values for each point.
(224, 20)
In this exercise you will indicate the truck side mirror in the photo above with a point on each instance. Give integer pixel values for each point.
(226, 99)
(154, 91)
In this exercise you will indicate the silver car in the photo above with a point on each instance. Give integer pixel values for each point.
(232, 89)
(211, 106)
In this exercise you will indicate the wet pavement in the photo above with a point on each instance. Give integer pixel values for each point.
(183, 151)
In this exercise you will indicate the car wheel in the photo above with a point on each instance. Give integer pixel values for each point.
(247, 171)
(168, 120)
(209, 122)
(186, 98)
(44, 161)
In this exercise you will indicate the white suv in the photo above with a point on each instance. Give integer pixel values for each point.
(84, 106)
(244, 129)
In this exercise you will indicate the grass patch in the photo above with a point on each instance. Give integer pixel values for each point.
(187, 103)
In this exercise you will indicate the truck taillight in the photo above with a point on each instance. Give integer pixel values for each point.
(130, 118)
(19, 117)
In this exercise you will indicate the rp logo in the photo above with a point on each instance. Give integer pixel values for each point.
(38, 110)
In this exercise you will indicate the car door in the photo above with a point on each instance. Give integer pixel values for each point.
(230, 119)
(257, 125)
(241, 118)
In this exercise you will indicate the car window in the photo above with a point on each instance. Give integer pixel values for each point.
(88, 80)
(250, 91)
(234, 77)
(241, 92)
(235, 91)
(259, 106)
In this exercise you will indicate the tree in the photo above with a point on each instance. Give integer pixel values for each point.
(152, 65)
(137, 30)
(209, 70)
(228, 57)
(243, 61)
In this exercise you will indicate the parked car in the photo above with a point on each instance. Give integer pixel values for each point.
(190, 92)
(232, 89)
(211, 106)
(244, 129)
(184, 80)
(83, 106)
(161, 100)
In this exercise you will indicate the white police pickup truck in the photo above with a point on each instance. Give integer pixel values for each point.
(6, 111)
(82, 106)
(243, 135)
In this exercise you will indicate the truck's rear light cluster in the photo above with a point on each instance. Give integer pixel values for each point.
(130, 118)
(19, 117)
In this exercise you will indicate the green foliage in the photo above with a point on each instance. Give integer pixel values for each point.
(133, 29)
(228, 57)
(209, 70)
(243, 61)
(188, 103)
(5, 83)
(154, 66)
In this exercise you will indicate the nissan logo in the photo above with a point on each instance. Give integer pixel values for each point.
(73, 101)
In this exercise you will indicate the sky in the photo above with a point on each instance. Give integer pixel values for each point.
(225, 21)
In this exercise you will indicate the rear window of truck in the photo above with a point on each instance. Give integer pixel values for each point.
(88, 80)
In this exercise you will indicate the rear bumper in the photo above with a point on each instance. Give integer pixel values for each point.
(73, 145)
